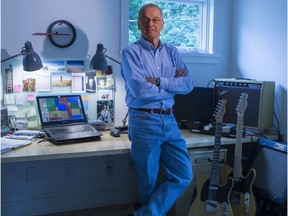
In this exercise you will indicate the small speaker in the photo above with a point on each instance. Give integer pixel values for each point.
(260, 101)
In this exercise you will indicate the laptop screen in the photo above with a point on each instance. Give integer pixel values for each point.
(60, 109)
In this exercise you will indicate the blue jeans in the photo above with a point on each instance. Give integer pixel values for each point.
(157, 140)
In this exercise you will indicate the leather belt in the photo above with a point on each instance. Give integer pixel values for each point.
(157, 111)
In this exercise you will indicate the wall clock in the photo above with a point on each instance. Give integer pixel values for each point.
(61, 33)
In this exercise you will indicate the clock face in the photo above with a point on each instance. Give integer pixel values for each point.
(61, 33)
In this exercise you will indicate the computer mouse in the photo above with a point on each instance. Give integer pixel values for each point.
(115, 133)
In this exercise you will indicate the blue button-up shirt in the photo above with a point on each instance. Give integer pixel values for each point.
(141, 60)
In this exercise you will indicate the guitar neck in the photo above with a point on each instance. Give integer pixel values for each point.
(238, 147)
(216, 155)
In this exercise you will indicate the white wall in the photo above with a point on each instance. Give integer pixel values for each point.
(97, 21)
(259, 47)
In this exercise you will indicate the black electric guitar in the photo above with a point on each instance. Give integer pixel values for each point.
(212, 198)
(241, 197)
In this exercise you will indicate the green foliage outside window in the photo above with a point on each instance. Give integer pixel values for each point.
(181, 22)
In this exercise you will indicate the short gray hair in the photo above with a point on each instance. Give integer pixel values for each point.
(143, 8)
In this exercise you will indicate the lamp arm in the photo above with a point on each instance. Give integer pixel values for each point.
(11, 57)
(113, 59)
(125, 119)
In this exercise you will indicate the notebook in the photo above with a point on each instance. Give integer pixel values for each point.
(63, 119)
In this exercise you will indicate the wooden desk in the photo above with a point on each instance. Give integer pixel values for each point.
(43, 178)
(108, 145)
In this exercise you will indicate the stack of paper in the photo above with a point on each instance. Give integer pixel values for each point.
(10, 144)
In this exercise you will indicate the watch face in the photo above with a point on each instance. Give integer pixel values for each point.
(61, 33)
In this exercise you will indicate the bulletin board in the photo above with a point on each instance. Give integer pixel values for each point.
(96, 87)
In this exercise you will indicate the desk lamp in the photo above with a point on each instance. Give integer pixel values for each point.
(99, 62)
(31, 60)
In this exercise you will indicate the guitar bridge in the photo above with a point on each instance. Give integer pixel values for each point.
(211, 206)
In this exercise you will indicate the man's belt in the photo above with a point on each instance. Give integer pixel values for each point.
(157, 111)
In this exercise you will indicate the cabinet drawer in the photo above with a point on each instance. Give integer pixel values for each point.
(201, 160)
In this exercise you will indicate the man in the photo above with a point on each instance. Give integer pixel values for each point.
(154, 72)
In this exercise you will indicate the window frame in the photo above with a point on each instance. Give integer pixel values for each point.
(208, 51)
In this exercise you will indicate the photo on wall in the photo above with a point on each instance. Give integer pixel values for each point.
(56, 66)
(105, 94)
(105, 111)
(29, 82)
(43, 82)
(61, 79)
(90, 82)
(78, 83)
(75, 66)
(9, 80)
(106, 82)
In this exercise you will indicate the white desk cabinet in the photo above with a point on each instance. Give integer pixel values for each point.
(43, 178)
(50, 186)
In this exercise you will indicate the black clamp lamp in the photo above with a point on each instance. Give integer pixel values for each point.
(31, 60)
(99, 61)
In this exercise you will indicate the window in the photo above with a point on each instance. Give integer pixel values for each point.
(188, 24)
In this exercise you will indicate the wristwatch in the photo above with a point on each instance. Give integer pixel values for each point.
(158, 82)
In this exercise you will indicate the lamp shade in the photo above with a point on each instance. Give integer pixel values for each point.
(31, 60)
(99, 61)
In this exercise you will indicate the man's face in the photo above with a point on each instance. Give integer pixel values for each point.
(150, 23)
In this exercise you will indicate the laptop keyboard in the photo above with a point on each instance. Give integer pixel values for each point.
(71, 129)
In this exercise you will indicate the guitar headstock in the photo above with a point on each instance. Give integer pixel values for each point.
(220, 110)
(242, 104)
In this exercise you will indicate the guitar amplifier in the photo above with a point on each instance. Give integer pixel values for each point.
(259, 111)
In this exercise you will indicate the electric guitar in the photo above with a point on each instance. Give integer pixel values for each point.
(241, 197)
(212, 198)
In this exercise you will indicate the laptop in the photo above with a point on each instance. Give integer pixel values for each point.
(63, 119)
